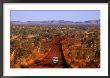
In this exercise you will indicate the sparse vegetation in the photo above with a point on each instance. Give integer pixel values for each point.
(31, 44)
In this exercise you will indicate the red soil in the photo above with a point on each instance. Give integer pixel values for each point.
(54, 51)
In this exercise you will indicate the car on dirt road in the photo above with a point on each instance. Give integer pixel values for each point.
(55, 60)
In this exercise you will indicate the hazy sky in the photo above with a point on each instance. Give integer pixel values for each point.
(73, 15)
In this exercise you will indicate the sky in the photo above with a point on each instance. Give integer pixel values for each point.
(44, 15)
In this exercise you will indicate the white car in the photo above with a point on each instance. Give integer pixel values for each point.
(55, 60)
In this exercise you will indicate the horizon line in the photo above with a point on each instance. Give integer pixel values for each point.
(53, 20)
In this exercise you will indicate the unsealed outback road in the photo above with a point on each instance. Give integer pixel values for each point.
(55, 51)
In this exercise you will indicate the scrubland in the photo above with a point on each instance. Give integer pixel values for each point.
(30, 44)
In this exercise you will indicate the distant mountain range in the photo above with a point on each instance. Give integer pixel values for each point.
(56, 22)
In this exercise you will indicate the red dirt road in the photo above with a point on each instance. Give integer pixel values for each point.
(55, 51)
